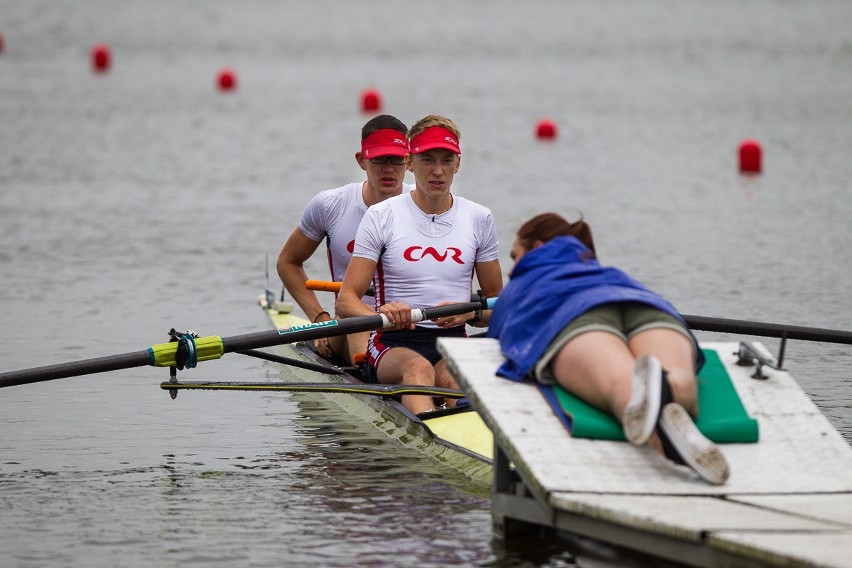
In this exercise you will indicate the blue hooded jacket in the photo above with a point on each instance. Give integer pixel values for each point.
(551, 286)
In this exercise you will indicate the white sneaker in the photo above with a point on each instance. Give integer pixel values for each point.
(643, 408)
(692, 447)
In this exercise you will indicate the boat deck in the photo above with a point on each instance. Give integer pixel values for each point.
(788, 501)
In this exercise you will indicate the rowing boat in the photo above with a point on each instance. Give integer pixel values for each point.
(455, 437)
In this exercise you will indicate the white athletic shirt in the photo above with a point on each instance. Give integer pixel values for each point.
(334, 215)
(425, 259)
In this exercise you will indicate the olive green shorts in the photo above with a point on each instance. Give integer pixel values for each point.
(624, 319)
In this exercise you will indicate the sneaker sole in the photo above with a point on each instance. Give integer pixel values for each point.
(697, 452)
(641, 412)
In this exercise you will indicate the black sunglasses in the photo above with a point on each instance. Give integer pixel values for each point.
(382, 160)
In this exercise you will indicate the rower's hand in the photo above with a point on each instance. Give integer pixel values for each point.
(447, 322)
(322, 347)
(398, 314)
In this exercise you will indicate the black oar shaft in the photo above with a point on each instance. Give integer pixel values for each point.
(745, 327)
(292, 362)
(163, 355)
(300, 333)
(76, 368)
(332, 328)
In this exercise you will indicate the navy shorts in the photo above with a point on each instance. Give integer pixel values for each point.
(423, 340)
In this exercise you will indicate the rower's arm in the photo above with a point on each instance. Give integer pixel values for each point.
(291, 260)
(490, 277)
(359, 275)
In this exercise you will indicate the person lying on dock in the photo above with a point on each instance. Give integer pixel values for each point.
(605, 338)
(424, 248)
(334, 215)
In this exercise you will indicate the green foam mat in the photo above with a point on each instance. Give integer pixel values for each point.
(722, 417)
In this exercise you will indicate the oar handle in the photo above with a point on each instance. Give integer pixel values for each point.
(322, 285)
(453, 309)
(328, 286)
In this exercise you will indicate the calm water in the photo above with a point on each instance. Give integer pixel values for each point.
(144, 199)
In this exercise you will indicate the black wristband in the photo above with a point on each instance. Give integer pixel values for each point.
(321, 313)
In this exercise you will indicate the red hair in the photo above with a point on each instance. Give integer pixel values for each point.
(546, 226)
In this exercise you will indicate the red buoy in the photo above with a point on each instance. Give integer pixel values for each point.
(1, 43)
(750, 157)
(545, 129)
(101, 58)
(227, 80)
(371, 100)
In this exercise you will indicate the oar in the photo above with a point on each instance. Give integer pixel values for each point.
(372, 389)
(335, 370)
(702, 323)
(762, 329)
(175, 353)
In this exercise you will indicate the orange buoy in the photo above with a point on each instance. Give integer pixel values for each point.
(227, 80)
(101, 58)
(750, 157)
(545, 129)
(371, 101)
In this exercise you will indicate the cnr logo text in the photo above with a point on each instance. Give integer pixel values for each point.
(416, 253)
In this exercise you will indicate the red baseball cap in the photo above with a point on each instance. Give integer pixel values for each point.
(435, 137)
(384, 142)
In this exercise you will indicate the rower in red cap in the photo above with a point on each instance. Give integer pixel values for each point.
(424, 248)
(334, 215)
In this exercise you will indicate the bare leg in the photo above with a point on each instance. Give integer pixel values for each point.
(404, 366)
(686, 444)
(445, 379)
(347, 346)
(596, 366)
(674, 352)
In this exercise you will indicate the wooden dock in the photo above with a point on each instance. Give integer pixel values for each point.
(788, 501)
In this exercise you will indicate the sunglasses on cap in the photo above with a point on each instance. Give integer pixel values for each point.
(382, 160)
